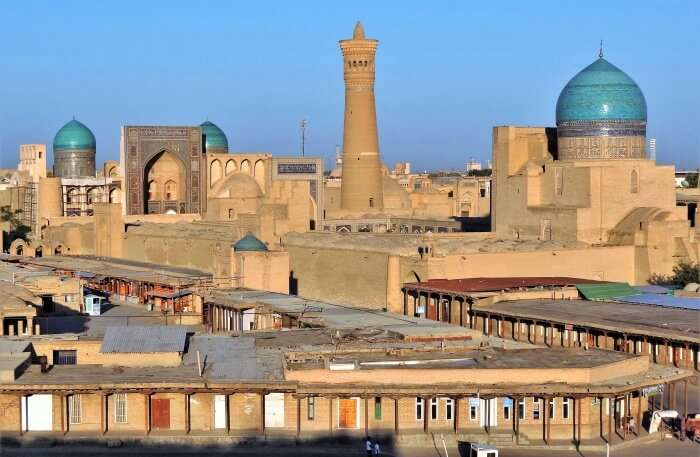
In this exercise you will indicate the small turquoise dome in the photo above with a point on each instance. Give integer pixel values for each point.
(74, 136)
(601, 92)
(214, 137)
(249, 243)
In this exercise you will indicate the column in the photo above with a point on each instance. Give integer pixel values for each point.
(426, 414)
(330, 416)
(685, 397)
(104, 413)
(261, 425)
(366, 416)
(227, 407)
(298, 416)
(455, 414)
(20, 398)
(545, 419)
(188, 418)
(611, 418)
(639, 412)
(517, 322)
(516, 413)
(67, 412)
(396, 416)
(405, 302)
(665, 359)
(147, 410)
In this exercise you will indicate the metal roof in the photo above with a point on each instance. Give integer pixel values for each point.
(496, 284)
(606, 291)
(138, 339)
(669, 301)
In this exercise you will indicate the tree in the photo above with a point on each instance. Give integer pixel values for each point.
(484, 172)
(14, 219)
(691, 180)
(686, 272)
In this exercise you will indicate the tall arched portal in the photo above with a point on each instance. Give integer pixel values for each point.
(166, 178)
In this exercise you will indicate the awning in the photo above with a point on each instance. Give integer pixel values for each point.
(606, 291)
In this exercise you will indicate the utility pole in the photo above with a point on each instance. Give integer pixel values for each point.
(303, 136)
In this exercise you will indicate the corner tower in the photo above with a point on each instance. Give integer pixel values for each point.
(361, 189)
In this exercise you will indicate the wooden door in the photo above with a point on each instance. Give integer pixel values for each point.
(160, 413)
(347, 413)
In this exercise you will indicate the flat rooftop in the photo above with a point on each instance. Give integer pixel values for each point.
(131, 270)
(650, 320)
(337, 316)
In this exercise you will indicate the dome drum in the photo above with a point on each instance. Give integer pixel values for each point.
(74, 148)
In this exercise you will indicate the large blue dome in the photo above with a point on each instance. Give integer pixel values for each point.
(214, 137)
(601, 92)
(74, 136)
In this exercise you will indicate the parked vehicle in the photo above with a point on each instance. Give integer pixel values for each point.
(482, 450)
(692, 426)
(664, 420)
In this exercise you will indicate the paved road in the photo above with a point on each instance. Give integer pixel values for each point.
(668, 448)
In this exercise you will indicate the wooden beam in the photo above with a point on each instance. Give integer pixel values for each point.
(261, 425)
(366, 416)
(20, 398)
(298, 417)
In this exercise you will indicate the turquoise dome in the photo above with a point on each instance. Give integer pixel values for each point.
(214, 137)
(74, 136)
(249, 243)
(601, 92)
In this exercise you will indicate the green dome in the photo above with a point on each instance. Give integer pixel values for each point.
(601, 92)
(249, 243)
(74, 136)
(214, 137)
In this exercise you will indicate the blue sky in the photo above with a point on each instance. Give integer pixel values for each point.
(447, 72)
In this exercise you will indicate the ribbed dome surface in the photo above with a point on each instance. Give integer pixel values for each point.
(599, 92)
(249, 243)
(214, 137)
(74, 136)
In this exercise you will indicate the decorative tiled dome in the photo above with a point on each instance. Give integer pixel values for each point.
(599, 92)
(214, 137)
(74, 136)
(249, 243)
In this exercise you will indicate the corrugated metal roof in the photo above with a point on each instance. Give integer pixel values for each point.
(138, 339)
(653, 289)
(669, 301)
(496, 284)
(606, 291)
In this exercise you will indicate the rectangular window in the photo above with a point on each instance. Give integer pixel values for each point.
(311, 408)
(521, 409)
(120, 416)
(552, 408)
(378, 408)
(565, 408)
(449, 409)
(473, 409)
(65, 357)
(419, 409)
(74, 409)
(536, 409)
(433, 408)
(506, 410)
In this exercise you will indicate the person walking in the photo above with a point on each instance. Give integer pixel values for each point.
(368, 446)
(377, 450)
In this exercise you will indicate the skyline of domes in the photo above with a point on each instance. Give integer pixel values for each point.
(214, 137)
(74, 135)
(601, 92)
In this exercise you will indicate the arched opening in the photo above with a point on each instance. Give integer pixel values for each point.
(165, 172)
(312, 213)
(259, 173)
(58, 250)
(215, 172)
(115, 196)
(465, 205)
(72, 196)
(113, 171)
(170, 190)
(39, 252)
(245, 166)
(94, 195)
(634, 182)
(19, 250)
(231, 166)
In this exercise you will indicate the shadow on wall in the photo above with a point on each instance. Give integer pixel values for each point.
(474, 224)
(552, 145)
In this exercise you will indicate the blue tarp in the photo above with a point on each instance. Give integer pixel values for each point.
(670, 301)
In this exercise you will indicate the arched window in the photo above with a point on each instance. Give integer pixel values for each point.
(215, 172)
(170, 191)
(152, 191)
(94, 195)
(72, 196)
(115, 196)
(245, 166)
(230, 167)
(634, 182)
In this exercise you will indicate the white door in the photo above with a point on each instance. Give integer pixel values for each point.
(219, 411)
(248, 319)
(490, 406)
(37, 413)
(274, 410)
